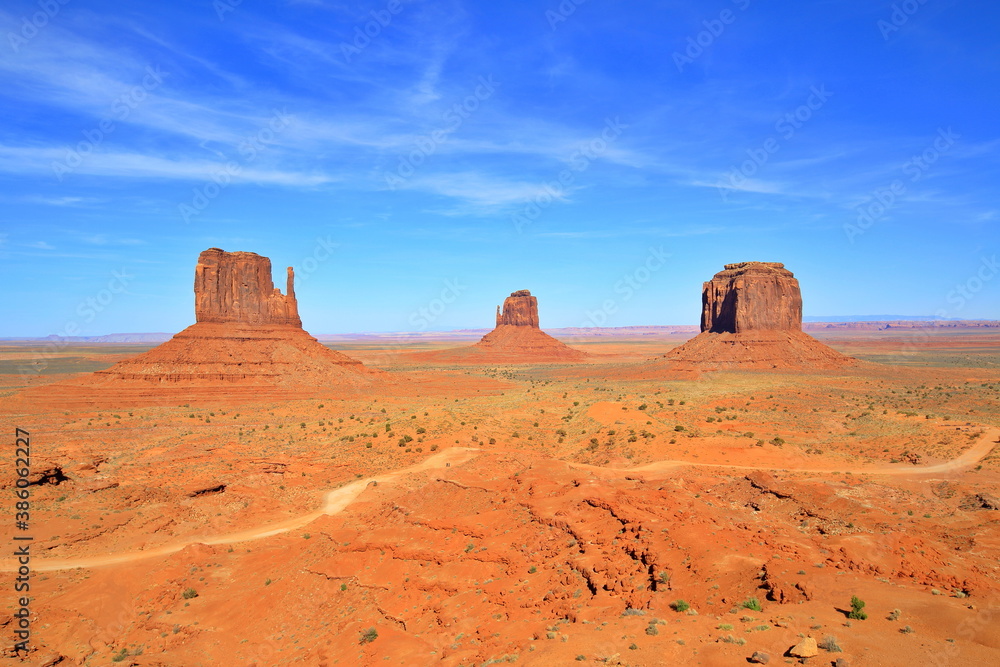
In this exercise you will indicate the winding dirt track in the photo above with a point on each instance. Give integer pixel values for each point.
(337, 500)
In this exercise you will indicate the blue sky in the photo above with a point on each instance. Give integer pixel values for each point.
(609, 156)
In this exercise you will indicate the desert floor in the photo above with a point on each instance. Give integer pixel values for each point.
(608, 512)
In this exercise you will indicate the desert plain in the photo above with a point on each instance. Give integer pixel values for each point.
(609, 510)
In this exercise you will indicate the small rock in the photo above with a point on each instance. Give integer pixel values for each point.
(806, 648)
(760, 658)
(841, 663)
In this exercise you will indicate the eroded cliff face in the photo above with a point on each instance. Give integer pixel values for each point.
(237, 287)
(751, 318)
(520, 309)
(752, 296)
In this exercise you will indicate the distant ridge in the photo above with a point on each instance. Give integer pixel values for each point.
(878, 318)
(106, 338)
(810, 324)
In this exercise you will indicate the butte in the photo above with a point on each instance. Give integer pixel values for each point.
(247, 344)
(751, 318)
(516, 339)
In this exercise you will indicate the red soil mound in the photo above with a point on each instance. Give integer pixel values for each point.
(757, 350)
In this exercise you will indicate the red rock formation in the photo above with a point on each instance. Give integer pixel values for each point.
(516, 339)
(237, 287)
(752, 318)
(520, 309)
(247, 343)
(752, 296)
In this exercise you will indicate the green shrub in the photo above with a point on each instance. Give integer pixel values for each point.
(753, 604)
(189, 593)
(679, 605)
(368, 636)
(857, 609)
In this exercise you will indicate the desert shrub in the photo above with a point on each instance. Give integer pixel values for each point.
(830, 644)
(753, 604)
(368, 636)
(680, 605)
(857, 609)
(894, 615)
(651, 629)
(678, 428)
(189, 593)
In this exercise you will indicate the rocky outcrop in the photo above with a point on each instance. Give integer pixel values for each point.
(752, 319)
(517, 339)
(247, 344)
(237, 287)
(751, 296)
(520, 309)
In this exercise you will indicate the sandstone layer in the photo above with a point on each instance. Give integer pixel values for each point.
(752, 318)
(237, 287)
(752, 296)
(520, 309)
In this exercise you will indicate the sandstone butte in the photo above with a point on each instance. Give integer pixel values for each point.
(247, 341)
(516, 339)
(752, 318)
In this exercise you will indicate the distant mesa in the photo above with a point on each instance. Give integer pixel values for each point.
(517, 339)
(247, 343)
(752, 318)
